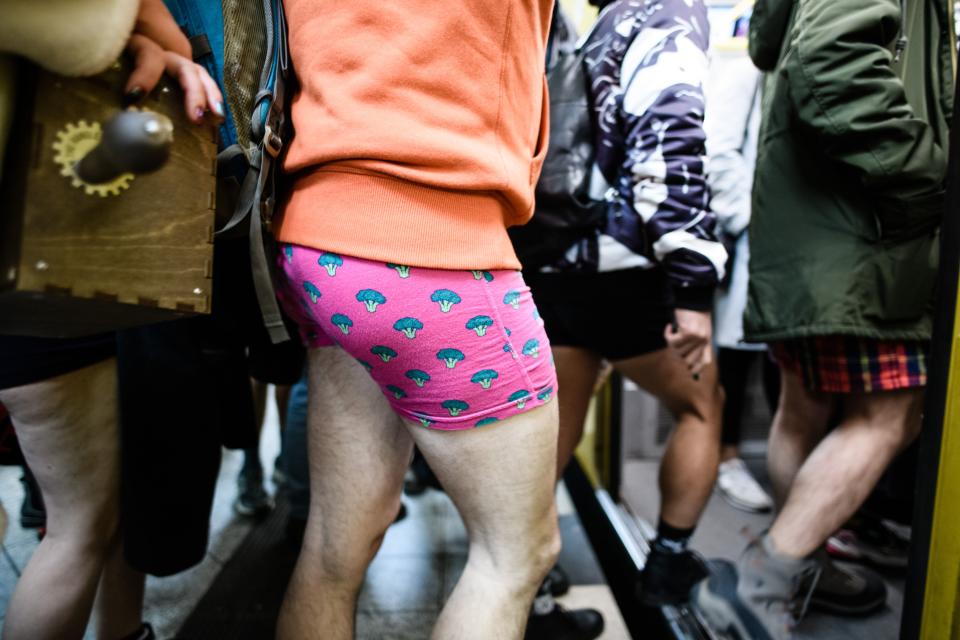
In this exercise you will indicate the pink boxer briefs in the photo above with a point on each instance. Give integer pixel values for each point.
(450, 349)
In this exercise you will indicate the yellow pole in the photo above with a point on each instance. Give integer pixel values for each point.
(941, 618)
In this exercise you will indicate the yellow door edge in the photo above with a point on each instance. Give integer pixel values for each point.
(940, 618)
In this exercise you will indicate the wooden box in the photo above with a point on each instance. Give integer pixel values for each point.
(76, 260)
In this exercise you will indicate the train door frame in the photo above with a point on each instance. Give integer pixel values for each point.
(931, 608)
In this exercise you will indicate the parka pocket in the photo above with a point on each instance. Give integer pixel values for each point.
(905, 220)
(903, 275)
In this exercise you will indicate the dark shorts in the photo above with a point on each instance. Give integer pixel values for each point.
(25, 360)
(848, 364)
(617, 314)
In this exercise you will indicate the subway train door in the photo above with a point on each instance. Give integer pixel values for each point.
(613, 484)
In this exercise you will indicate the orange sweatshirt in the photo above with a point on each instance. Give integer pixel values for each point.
(420, 128)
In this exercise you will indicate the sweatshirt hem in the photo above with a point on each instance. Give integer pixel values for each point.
(379, 217)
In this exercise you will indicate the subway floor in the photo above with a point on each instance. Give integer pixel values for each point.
(234, 592)
(724, 531)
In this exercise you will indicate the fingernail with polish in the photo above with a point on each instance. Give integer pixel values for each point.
(133, 96)
(218, 108)
(199, 113)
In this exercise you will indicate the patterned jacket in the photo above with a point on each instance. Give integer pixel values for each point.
(646, 63)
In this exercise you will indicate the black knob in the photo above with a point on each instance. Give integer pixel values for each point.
(132, 142)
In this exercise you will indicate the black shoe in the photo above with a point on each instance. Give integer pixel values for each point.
(33, 514)
(667, 578)
(412, 486)
(252, 499)
(564, 624)
(870, 541)
(557, 581)
(846, 592)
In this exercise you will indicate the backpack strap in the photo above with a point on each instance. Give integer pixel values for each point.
(256, 200)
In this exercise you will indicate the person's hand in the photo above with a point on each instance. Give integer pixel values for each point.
(690, 337)
(157, 46)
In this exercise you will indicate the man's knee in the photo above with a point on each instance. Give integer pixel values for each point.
(91, 532)
(340, 552)
(704, 404)
(546, 553)
(522, 560)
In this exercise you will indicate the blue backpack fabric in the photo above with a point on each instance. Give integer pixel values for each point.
(202, 22)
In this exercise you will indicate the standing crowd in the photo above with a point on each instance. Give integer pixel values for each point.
(779, 211)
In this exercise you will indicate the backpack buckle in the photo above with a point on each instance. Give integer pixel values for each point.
(272, 141)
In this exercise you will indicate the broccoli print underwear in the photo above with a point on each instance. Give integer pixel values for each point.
(449, 349)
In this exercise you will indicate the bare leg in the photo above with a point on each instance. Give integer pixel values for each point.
(843, 469)
(801, 419)
(501, 478)
(359, 452)
(118, 608)
(689, 466)
(576, 376)
(67, 427)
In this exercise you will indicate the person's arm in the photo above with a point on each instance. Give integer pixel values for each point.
(848, 96)
(663, 106)
(731, 93)
(664, 71)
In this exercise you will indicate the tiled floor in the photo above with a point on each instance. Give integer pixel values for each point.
(421, 560)
(416, 569)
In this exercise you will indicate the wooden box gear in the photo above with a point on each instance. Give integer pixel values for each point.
(77, 259)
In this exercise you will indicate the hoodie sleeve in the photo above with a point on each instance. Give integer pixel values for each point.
(848, 95)
(731, 97)
(663, 107)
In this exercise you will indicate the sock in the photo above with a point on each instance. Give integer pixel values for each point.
(671, 539)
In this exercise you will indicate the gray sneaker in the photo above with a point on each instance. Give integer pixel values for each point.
(762, 598)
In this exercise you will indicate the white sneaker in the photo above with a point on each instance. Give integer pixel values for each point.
(740, 489)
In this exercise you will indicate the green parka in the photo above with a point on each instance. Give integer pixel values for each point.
(852, 156)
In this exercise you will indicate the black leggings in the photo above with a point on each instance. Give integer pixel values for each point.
(734, 370)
